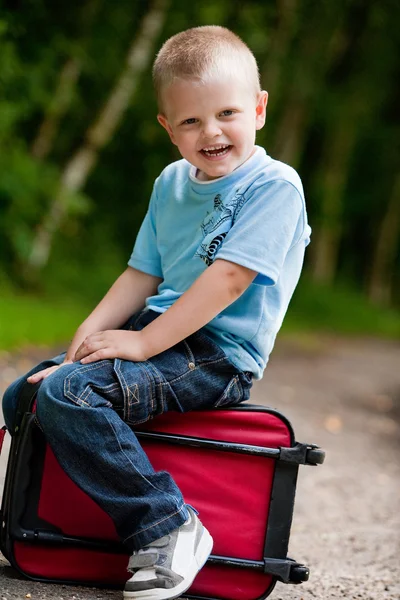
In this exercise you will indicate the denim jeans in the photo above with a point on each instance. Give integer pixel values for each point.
(86, 413)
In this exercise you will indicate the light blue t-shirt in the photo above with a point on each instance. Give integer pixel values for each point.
(255, 217)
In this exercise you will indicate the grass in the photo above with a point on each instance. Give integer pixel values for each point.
(49, 321)
(27, 320)
(339, 310)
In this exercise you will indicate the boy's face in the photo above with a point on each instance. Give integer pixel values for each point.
(213, 123)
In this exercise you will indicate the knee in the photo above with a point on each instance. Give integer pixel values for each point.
(50, 398)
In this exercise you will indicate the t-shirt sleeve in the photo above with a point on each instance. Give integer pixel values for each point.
(145, 255)
(271, 221)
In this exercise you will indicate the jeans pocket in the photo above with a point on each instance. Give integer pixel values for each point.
(90, 385)
(175, 363)
(202, 350)
(232, 394)
(142, 388)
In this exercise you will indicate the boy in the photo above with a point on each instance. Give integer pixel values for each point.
(215, 263)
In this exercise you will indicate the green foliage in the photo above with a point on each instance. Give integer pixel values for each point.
(341, 310)
(65, 276)
(24, 188)
(27, 320)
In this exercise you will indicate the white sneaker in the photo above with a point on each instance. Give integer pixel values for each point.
(166, 568)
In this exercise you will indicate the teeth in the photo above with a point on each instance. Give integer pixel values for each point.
(216, 148)
(223, 150)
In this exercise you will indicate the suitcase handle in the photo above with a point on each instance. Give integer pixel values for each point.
(300, 454)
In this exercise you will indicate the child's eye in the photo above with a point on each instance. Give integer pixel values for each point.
(189, 122)
(227, 113)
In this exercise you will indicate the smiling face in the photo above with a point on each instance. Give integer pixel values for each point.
(213, 123)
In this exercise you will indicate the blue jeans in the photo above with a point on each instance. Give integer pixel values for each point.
(98, 449)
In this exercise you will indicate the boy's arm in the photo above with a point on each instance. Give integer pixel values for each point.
(125, 297)
(216, 288)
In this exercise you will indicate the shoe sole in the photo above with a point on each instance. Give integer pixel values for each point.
(200, 558)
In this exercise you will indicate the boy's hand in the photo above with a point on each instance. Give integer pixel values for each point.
(112, 344)
(46, 372)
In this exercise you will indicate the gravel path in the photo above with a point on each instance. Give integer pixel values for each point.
(345, 396)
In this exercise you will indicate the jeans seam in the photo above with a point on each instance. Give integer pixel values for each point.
(152, 385)
(159, 383)
(225, 393)
(188, 352)
(105, 388)
(109, 388)
(75, 399)
(133, 424)
(234, 382)
(152, 393)
(125, 386)
(155, 524)
(125, 392)
(133, 465)
(130, 405)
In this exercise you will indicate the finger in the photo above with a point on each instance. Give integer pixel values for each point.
(88, 348)
(35, 378)
(46, 372)
(50, 372)
(78, 353)
(101, 354)
(88, 345)
(93, 337)
(82, 350)
(41, 374)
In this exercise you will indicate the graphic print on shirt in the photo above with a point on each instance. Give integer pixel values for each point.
(217, 224)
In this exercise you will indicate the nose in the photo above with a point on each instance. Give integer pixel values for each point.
(211, 129)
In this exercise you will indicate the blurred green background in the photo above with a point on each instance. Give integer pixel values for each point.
(80, 148)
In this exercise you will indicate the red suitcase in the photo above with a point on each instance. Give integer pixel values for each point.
(245, 461)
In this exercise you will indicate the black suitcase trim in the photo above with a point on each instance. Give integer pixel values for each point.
(275, 561)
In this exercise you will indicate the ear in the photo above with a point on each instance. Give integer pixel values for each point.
(164, 123)
(261, 109)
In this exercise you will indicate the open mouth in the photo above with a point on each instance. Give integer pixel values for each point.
(216, 151)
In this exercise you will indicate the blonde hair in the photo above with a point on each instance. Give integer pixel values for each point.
(204, 52)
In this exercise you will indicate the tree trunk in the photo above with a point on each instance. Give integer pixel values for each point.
(319, 38)
(339, 148)
(58, 107)
(68, 78)
(99, 134)
(340, 139)
(292, 133)
(380, 282)
(283, 35)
